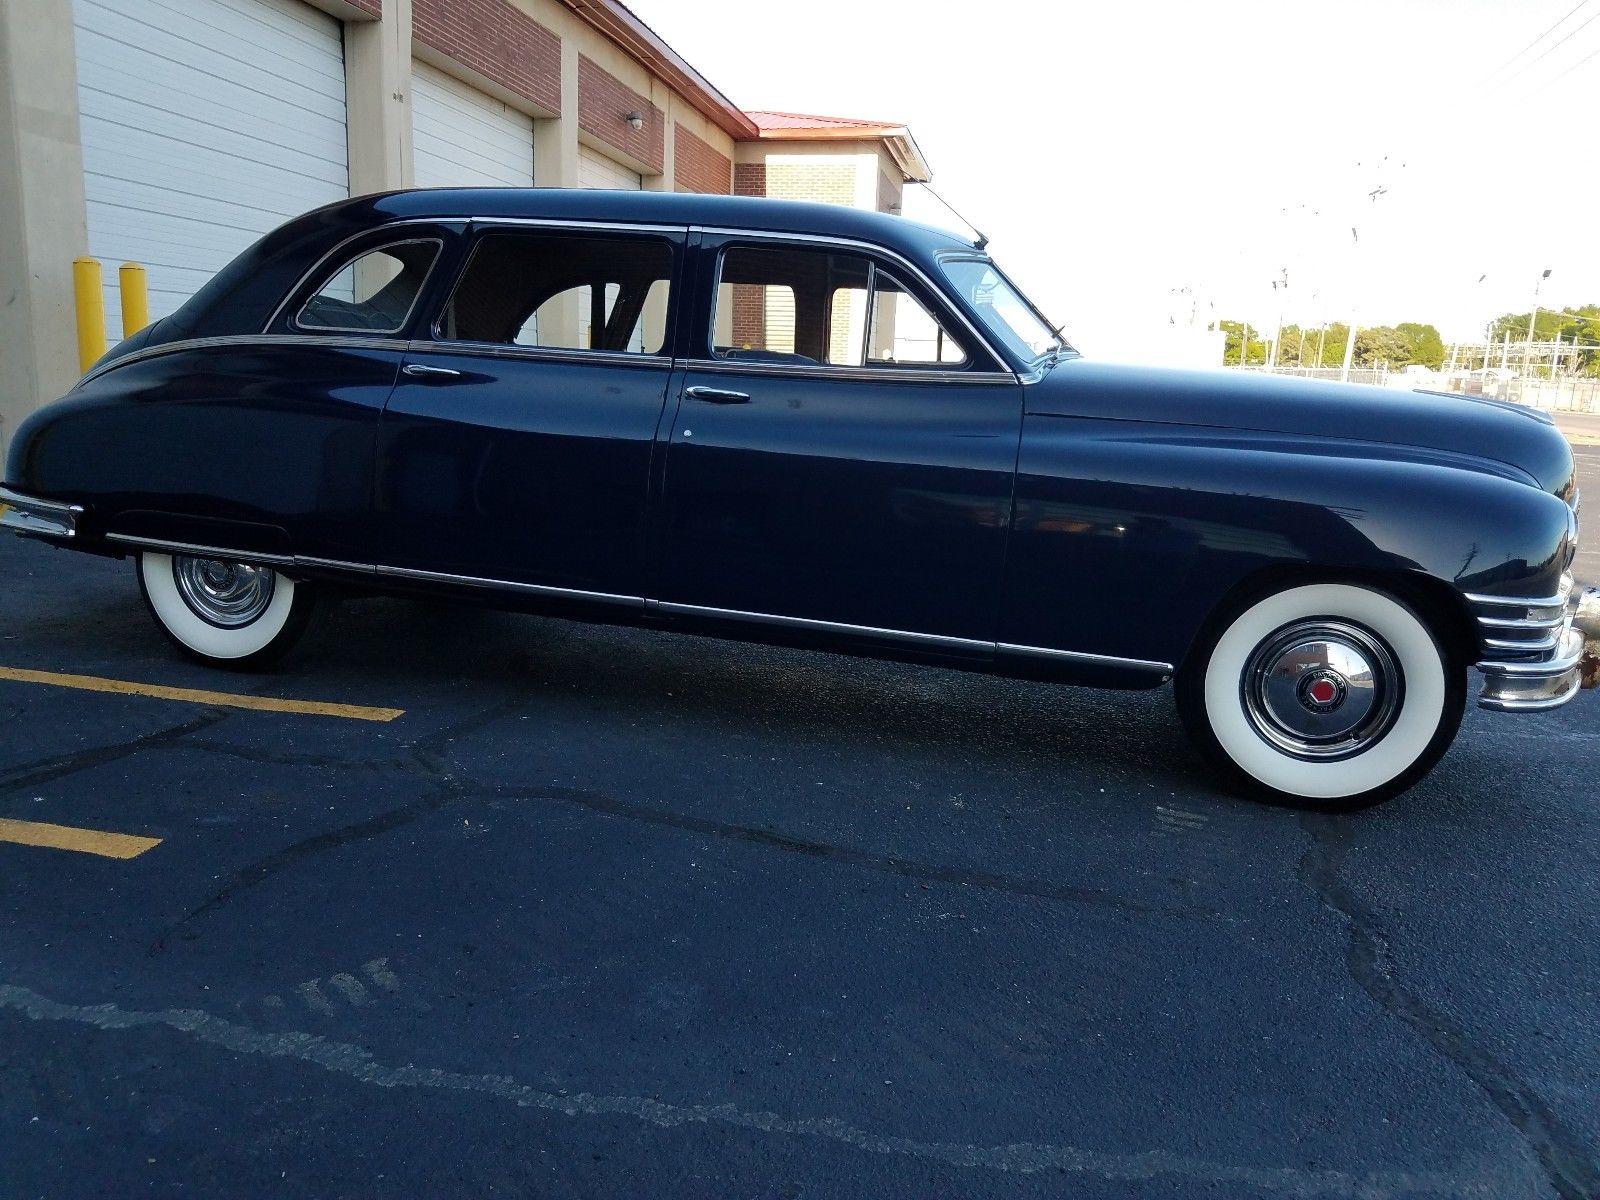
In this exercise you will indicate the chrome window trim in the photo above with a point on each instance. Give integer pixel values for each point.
(608, 358)
(854, 245)
(337, 341)
(857, 374)
(663, 607)
(664, 354)
(458, 219)
(411, 309)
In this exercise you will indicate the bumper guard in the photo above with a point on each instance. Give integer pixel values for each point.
(43, 518)
(1539, 652)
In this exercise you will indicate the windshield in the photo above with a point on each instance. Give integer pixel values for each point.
(1005, 313)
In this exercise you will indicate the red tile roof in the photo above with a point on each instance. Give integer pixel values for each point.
(787, 121)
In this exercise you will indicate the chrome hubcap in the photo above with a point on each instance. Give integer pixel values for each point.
(229, 594)
(1322, 689)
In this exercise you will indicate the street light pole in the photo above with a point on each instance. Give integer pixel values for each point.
(1527, 344)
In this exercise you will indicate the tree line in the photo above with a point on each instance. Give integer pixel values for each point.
(1412, 342)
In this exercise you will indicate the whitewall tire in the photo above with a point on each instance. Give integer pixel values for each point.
(225, 613)
(1325, 695)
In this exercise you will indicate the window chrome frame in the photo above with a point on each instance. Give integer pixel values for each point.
(411, 309)
(972, 372)
(480, 229)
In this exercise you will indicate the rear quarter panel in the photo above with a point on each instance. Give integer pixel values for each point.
(261, 446)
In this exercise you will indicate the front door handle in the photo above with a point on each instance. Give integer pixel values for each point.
(423, 371)
(712, 395)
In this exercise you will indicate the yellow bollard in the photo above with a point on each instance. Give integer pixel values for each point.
(91, 305)
(135, 298)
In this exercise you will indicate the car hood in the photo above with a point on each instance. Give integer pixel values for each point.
(1487, 430)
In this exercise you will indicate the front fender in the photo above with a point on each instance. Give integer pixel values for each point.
(1127, 535)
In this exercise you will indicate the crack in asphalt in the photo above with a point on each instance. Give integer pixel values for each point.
(59, 766)
(426, 752)
(885, 863)
(1369, 958)
(1028, 1158)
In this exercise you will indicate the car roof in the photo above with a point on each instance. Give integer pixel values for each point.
(658, 208)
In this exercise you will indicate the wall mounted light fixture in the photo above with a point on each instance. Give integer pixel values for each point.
(636, 120)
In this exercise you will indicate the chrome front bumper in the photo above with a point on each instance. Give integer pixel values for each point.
(29, 514)
(1538, 652)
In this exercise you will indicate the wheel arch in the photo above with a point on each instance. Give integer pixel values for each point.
(1440, 604)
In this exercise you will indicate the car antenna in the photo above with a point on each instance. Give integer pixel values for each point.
(982, 239)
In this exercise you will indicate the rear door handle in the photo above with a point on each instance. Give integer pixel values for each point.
(423, 371)
(712, 395)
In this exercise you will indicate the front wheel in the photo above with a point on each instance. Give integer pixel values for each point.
(227, 614)
(1329, 696)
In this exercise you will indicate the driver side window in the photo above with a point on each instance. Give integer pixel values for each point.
(807, 307)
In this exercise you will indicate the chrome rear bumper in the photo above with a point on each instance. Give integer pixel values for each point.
(1538, 652)
(29, 514)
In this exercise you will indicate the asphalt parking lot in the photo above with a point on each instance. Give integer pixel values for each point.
(498, 905)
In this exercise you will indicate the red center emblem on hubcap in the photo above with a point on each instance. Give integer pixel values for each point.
(1322, 691)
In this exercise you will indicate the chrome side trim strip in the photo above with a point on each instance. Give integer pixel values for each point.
(532, 589)
(1534, 646)
(1521, 623)
(1568, 655)
(1558, 600)
(221, 552)
(665, 607)
(1078, 656)
(343, 342)
(895, 635)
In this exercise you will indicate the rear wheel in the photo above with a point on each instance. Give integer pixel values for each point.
(1330, 696)
(229, 614)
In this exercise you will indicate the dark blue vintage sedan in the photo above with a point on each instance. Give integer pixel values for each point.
(805, 423)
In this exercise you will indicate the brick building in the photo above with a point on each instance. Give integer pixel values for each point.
(174, 133)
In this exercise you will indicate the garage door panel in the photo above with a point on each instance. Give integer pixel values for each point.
(205, 124)
(225, 40)
(462, 137)
(595, 170)
(249, 93)
(162, 144)
(145, 104)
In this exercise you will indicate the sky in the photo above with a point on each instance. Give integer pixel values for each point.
(1136, 161)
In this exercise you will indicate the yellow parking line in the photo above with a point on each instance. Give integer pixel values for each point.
(68, 837)
(93, 683)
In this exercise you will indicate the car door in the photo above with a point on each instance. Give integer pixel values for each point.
(264, 442)
(516, 448)
(842, 452)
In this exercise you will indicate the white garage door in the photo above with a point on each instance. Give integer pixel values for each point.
(597, 171)
(463, 138)
(205, 124)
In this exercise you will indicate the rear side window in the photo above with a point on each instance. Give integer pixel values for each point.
(373, 292)
(563, 291)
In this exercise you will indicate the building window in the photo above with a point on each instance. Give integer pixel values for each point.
(373, 292)
(563, 291)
